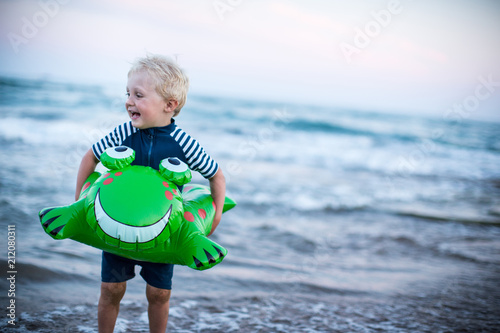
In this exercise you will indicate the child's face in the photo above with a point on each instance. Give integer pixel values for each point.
(145, 107)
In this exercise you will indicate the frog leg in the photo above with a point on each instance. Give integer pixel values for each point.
(62, 222)
(205, 253)
(196, 250)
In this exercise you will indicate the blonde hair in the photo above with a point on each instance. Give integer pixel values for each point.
(169, 79)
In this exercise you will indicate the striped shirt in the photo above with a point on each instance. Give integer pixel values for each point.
(152, 145)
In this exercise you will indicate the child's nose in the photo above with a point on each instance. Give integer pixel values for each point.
(129, 101)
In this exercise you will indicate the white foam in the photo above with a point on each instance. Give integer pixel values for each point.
(176, 312)
(228, 319)
(144, 318)
(85, 329)
(121, 325)
(189, 304)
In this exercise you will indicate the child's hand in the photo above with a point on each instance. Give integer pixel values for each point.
(216, 221)
(87, 166)
(218, 191)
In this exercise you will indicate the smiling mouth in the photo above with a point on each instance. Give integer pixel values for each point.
(134, 115)
(127, 233)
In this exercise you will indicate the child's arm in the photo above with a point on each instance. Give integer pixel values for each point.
(218, 190)
(87, 166)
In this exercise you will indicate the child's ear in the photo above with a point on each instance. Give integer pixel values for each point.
(171, 105)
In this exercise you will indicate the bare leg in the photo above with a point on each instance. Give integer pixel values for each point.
(159, 302)
(109, 305)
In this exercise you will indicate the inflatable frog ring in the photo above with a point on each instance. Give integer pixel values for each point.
(138, 212)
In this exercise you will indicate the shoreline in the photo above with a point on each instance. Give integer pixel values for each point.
(427, 307)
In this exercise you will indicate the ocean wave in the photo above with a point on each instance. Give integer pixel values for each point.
(322, 126)
(32, 273)
(67, 97)
(10, 213)
(472, 249)
(306, 207)
(394, 202)
(451, 217)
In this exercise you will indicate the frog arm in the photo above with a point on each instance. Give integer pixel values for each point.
(195, 249)
(199, 206)
(88, 184)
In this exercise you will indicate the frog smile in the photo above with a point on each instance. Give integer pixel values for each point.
(127, 233)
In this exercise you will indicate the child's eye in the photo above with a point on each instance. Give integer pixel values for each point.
(138, 95)
(127, 94)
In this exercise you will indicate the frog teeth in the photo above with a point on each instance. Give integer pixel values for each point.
(127, 233)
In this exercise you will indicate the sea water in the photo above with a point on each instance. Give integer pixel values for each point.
(347, 220)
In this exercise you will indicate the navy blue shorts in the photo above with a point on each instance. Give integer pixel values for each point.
(119, 269)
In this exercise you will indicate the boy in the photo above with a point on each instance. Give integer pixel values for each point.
(156, 90)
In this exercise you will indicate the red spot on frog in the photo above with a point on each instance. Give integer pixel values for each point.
(169, 195)
(189, 217)
(86, 186)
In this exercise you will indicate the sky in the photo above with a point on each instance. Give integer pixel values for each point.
(402, 56)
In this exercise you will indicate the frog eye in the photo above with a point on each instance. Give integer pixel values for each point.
(117, 157)
(175, 170)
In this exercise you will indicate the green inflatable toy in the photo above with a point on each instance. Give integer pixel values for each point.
(138, 212)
